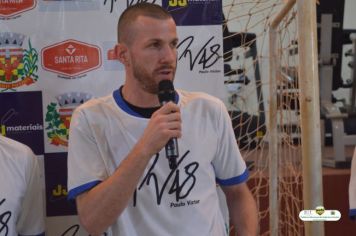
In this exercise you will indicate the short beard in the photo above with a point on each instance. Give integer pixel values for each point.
(146, 80)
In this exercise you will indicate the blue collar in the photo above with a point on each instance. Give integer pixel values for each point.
(123, 105)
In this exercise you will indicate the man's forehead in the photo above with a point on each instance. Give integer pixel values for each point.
(145, 28)
(142, 19)
(151, 26)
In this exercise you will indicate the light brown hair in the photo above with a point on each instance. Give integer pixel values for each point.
(133, 12)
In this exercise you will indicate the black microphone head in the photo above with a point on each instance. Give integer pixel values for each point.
(165, 85)
(166, 91)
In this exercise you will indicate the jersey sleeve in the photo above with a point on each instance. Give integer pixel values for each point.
(86, 168)
(230, 168)
(31, 218)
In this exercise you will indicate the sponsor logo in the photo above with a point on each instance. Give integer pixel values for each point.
(186, 12)
(11, 8)
(59, 114)
(319, 214)
(320, 210)
(71, 58)
(20, 128)
(16, 129)
(177, 3)
(18, 66)
(177, 184)
(56, 185)
(201, 57)
(59, 191)
(21, 118)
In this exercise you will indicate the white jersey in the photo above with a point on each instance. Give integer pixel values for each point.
(179, 202)
(21, 201)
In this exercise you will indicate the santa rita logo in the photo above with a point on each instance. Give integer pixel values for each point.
(18, 66)
(59, 114)
(12, 8)
(71, 58)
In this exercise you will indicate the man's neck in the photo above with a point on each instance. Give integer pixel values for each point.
(139, 97)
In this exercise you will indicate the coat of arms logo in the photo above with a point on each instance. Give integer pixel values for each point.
(59, 114)
(18, 66)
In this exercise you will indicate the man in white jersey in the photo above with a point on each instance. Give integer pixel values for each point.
(21, 204)
(117, 169)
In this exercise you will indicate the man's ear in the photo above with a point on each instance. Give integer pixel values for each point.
(121, 52)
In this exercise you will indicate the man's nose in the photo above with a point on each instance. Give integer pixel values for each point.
(169, 54)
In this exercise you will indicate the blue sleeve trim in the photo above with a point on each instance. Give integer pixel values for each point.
(234, 180)
(41, 234)
(352, 214)
(73, 193)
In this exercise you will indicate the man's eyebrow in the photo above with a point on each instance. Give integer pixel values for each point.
(161, 40)
(154, 40)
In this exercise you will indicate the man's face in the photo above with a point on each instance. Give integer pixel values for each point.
(153, 53)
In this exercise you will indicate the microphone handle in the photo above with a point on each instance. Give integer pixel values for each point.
(171, 149)
(172, 152)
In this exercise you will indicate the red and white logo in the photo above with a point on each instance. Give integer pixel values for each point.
(71, 58)
(10, 8)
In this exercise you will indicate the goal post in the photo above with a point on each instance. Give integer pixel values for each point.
(310, 112)
(274, 69)
(278, 133)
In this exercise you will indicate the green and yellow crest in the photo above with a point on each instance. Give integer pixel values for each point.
(18, 66)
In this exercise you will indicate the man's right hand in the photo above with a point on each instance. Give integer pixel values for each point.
(164, 124)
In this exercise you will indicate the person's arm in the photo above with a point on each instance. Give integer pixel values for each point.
(100, 207)
(242, 209)
(31, 217)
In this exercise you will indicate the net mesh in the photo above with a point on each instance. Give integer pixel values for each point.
(246, 68)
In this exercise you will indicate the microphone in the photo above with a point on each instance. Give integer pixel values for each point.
(166, 94)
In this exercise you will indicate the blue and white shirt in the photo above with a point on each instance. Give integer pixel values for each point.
(179, 202)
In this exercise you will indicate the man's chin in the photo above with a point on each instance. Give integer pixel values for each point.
(165, 77)
(151, 89)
